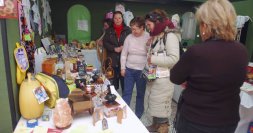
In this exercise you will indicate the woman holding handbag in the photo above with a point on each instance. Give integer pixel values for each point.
(164, 54)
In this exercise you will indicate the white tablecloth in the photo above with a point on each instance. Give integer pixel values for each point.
(246, 109)
(92, 58)
(83, 122)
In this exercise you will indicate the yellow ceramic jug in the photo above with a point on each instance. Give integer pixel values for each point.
(28, 104)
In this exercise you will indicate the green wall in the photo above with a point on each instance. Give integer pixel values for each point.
(5, 116)
(98, 9)
(13, 37)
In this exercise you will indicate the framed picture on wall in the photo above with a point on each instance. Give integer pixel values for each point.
(8, 9)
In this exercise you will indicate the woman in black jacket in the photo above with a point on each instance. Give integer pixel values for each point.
(113, 42)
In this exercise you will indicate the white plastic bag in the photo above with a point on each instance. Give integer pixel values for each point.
(39, 56)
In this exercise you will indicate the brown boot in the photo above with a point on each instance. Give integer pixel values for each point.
(153, 127)
(163, 128)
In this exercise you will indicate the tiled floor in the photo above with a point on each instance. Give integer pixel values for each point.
(145, 122)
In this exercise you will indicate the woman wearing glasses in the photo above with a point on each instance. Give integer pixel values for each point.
(164, 53)
(133, 60)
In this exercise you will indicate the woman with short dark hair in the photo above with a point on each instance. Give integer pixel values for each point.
(133, 60)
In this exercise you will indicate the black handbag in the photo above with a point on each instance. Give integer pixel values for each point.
(177, 117)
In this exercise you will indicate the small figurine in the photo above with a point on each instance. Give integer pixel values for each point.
(97, 115)
(104, 124)
(80, 83)
(124, 112)
(95, 77)
(110, 97)
(107, 68)
(88, 89)
(120, 116)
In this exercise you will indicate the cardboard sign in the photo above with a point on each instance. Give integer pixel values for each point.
(40, 94)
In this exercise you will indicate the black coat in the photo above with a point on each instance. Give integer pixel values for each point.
(111, 41)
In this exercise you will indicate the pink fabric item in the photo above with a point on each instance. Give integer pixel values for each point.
(109, 15)
(62, 114)
(159, 27)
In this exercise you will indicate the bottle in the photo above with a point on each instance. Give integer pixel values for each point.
(59, 67)
(27, 99)
(80, 68)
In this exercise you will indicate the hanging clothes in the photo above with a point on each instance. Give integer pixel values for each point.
(46, 15)
(36, 16)
(189, 26)
(128, 16)
(241, 20)
(48, 11)
(26, 12)
(120, 7)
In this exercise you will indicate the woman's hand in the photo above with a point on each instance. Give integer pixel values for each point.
(99, 43)
(149, 42)
(122, 72)
(121, 47)
(118, 49)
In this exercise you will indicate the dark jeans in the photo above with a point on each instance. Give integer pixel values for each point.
(185, 126)
(133, 76)
(117, 78)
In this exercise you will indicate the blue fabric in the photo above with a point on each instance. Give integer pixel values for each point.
(250, 130)
(133, 76)
(62, 86)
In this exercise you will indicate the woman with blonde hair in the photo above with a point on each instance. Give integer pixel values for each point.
(214, 71)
